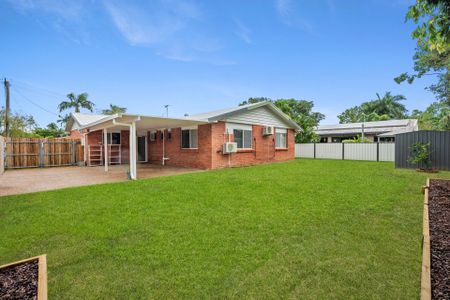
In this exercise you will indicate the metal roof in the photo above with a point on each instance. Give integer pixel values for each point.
(369, 127)
(221, 114)
(89, 120)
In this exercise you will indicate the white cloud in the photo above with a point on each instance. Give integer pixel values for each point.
(283, 7)
(288, 13)
(67, 9)
(243, 32)
(172, 28)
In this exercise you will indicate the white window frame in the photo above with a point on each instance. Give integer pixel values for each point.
(190, 129)
(152, 135)
(231, 127)
(245, 132)
(109, 137)
(281, 131)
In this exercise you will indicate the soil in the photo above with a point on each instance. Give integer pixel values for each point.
(19, 281)
(439, 211)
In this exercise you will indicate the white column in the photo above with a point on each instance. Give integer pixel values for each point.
(133, 167)
(105, 146)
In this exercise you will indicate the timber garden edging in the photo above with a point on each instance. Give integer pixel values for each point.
(42, 273)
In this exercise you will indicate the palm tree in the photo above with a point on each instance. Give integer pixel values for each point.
(114, 109)
(77, 102)
(390, 105)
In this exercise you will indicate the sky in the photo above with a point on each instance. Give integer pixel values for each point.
(198, 56)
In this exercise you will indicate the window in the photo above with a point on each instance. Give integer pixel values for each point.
(280, 138)
(152, 136)
(169, 134)
(113, 138)
(243, 138)
(189, 139)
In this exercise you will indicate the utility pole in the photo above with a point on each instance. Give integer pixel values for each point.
(167, 109)
(6, 82)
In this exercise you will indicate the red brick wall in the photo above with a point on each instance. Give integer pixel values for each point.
(76, 134)
(194, 158)
(211, 138)
(125, 146)
(263, 148)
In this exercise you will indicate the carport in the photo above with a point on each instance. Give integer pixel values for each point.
(135, 124)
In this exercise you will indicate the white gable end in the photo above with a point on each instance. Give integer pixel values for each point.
(258, 116)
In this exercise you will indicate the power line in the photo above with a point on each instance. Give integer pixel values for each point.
(29, 86)
(34, 103)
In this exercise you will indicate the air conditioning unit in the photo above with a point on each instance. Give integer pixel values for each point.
(268, 130)
(229, 147)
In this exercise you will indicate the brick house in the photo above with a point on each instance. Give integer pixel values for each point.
(245, 135)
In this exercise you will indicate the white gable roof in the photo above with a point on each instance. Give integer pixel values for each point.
(78, 120)
(232, 114)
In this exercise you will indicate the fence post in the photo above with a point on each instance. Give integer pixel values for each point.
(378, 151)
(2, 155)
(343, 151)
(41, 153)
(74, 153)
(314, 150)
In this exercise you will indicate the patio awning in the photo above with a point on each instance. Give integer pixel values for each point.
(143, 122)
(136, 123)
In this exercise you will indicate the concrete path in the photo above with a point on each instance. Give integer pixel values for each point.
(34, 180)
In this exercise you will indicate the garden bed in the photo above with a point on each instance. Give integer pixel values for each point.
(439, 237)
(25, 279)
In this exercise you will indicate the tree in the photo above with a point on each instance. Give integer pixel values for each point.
(434, 117)
(20, 125)
(300, 111)
(77, 102)
(432, 55)
(382, 108)
(52, 130)
(114, 109)
(434, 28)
(62, 120)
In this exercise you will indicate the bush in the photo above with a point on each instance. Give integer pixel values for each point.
(420, 155)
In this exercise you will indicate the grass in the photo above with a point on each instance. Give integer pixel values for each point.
(304, 229)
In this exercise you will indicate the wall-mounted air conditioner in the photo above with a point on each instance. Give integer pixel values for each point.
(268, 130)
(229, 147)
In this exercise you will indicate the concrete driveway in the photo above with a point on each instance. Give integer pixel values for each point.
(35, 180)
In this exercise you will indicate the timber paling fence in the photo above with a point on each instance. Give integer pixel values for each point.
(40, 153)
(347, 151)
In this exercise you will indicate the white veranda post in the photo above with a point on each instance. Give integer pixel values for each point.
(105, 147)
(133, 149)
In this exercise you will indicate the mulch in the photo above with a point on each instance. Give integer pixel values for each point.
(19, 281)
(439, 214)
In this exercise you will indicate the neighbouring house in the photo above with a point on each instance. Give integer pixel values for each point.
(379, 131)
(245, 135)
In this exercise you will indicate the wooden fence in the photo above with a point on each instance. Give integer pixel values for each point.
(40, 153)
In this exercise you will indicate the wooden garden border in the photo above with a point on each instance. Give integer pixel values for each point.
(42, 274)
(425, 282)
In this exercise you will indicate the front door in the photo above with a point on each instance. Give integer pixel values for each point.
(142, 148)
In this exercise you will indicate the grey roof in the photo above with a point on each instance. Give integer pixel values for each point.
(83, 119)
(222, 114)
(376, 127)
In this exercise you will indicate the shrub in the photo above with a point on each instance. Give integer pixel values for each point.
(420, 155)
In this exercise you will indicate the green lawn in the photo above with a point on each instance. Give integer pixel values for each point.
(302, 229)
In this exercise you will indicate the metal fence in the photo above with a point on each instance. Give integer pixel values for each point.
(439, 148)
(347, 151)
(40, 153)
